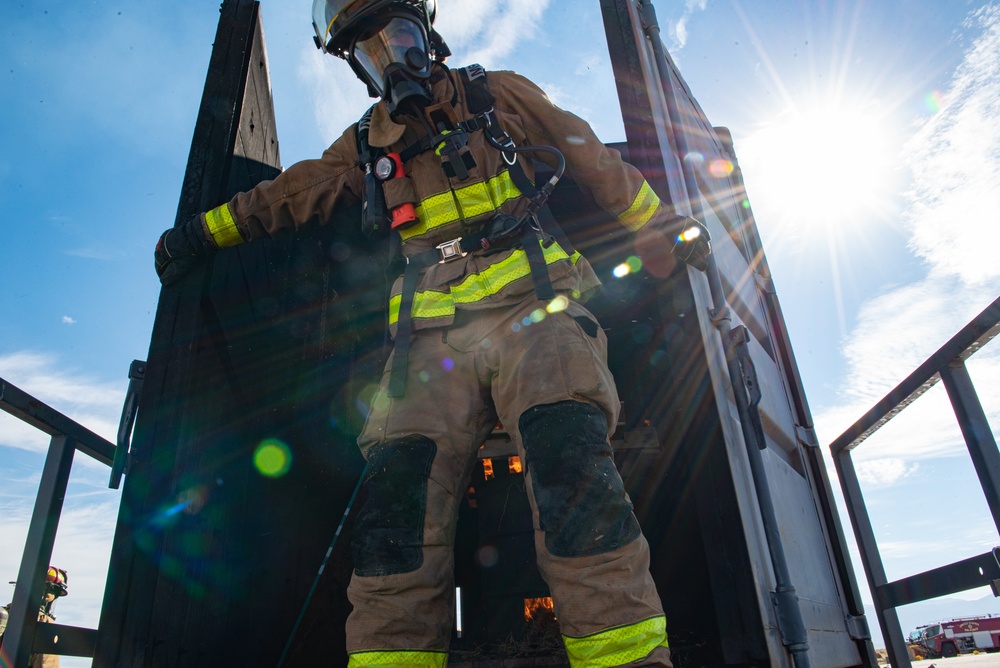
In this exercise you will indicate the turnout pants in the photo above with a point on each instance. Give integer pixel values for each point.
(545, 376)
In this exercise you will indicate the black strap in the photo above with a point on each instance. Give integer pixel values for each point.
(404, 330)
(536, 262)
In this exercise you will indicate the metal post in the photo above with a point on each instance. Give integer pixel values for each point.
(38, 551)
(976, 430)
(888, 619)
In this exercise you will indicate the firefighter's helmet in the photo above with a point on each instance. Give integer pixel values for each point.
(56, 580)
(377, 37)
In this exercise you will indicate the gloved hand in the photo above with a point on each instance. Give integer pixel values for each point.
(693, 244)
(179, 248)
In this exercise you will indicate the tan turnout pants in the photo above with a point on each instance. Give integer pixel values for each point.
(495, 363)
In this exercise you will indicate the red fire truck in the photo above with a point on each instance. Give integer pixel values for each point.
(958, 636)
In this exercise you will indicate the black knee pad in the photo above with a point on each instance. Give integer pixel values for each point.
(582, 506)
(389, 531)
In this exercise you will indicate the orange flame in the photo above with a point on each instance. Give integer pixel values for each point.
(514, 464)
(534, 606)
(487, 468)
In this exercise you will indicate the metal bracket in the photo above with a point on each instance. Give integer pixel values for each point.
(857, 627)
(136, 375)
(764, 283)
(806, 436)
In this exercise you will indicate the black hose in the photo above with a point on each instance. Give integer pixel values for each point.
(322, 567)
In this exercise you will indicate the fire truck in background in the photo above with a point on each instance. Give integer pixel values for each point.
(957, 636)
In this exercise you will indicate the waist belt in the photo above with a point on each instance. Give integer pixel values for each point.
(522, 234)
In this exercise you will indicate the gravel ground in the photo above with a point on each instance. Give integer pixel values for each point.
(966, 661)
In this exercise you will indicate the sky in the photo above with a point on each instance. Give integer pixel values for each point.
(868, 133)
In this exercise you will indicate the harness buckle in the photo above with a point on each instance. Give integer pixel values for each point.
(451, 250)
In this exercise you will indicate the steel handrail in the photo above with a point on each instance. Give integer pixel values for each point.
(24, 635)
(948, 366)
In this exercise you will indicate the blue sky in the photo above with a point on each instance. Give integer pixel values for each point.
(868, 132)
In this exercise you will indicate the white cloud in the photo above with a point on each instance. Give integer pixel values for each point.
(885, 471)
(67, 320)
(93, 403)
(955, 159)
(339, 98)
(952, 213)
(679, 29)
(484, 32)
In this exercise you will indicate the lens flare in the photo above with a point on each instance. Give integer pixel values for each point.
(447, 364)
(621, 271)
(560, 303)
(690, 234)
(538, 315)
(272, 458)
(720, 168)
(933, 101)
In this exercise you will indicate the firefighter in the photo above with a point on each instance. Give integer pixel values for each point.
(55, 587)
(488, 323)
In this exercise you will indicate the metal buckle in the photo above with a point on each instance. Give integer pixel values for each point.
(450, 250)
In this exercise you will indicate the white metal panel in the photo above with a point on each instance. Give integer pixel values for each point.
(983, 639)
(810, 565)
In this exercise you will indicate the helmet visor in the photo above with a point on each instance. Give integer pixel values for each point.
(324, 13)
(386, 43)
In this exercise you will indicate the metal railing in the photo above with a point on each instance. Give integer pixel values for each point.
(25, 635)
(948, 366)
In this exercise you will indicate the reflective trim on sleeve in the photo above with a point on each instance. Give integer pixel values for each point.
(643, 207)
(617, 646)
(222, 227)
(384, 657)
(461, 204)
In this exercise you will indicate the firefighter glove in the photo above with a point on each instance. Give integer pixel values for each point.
(693, 244)
(179, 249)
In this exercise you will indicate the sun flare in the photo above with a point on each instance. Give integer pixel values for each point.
(827, 170)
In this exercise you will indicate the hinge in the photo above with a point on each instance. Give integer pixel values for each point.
(764, 283)
(806, 436)
(857, 627)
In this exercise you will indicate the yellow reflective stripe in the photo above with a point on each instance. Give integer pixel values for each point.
(222, 227)
(643, 207)
(497, 276)
(464, 203)
(477, 286)
(398, 658)
(427, 304)
(617, 646)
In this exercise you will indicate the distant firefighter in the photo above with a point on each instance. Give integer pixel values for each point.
(55, 587)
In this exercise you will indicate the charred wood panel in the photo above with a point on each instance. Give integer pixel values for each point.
(213, 559)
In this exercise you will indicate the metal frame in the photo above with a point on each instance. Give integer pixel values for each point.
(948, 366)
(24, 635)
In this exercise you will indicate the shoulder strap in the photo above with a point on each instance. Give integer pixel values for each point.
(477, 90)
(373, 209)
(361, 137)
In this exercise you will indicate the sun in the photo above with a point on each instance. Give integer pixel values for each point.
(825, 170)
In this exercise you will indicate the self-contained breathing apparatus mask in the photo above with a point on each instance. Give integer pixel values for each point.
(389, 44)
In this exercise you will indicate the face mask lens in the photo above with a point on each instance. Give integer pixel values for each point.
(398, 41)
